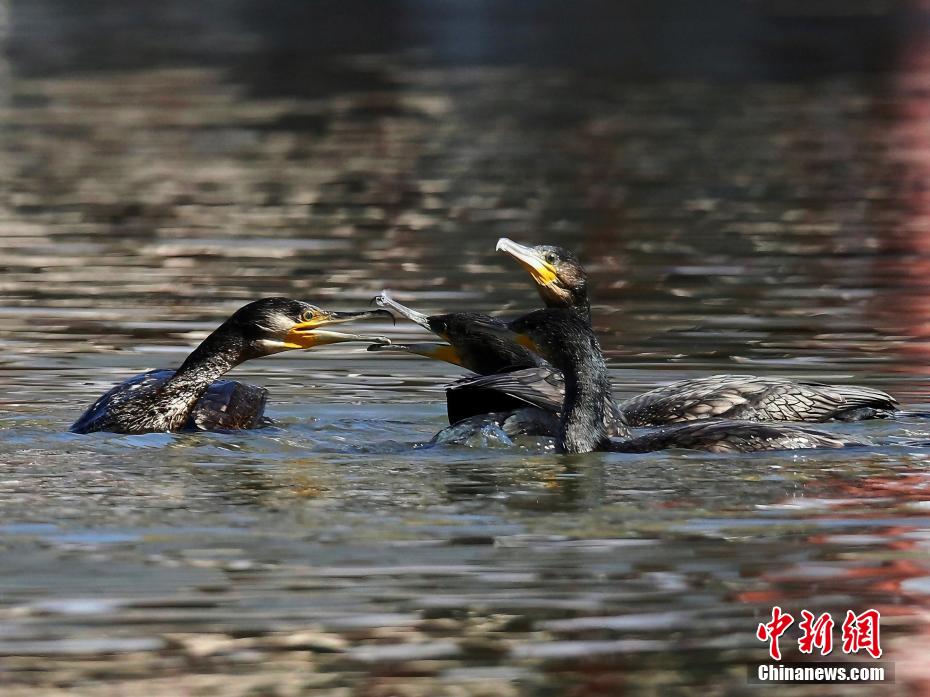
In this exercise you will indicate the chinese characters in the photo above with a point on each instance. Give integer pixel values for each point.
(859, 632)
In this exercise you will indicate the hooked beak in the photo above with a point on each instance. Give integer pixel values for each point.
(531, 260)
(385, 300)
(308, 334)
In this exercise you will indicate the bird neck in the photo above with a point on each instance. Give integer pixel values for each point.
(580, 302)
(582, 308)
(586, 387)
(575, 299)
(217, 355)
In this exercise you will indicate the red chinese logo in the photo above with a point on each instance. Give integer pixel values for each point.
(771, 631)
(816, 633)
(860, 632)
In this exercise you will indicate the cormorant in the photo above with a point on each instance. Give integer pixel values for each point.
(192, 397)
(482, 344)
(562, 283)
(567, 341)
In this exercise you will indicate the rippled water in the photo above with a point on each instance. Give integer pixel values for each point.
(730, 223)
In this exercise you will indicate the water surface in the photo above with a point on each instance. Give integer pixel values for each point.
(737, 212)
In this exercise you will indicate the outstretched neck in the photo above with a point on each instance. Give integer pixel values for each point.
(217, 355)
(586, 386)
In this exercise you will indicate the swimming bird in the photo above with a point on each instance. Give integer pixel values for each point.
(471, 341)
(562, 283)
(193, 397)
(481, 343)
(569, 344)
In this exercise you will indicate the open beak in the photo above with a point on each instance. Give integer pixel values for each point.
(385, 300)
(531, 260)
(436, 351)
(308, 334)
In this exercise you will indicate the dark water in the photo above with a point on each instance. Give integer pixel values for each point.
(749, 190)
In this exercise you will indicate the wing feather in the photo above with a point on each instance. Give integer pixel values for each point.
(754, 398)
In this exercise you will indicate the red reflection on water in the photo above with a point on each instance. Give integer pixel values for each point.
(902, 269)
(873, 572)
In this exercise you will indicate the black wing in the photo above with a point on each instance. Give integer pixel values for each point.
(754, 398)
(542, 387)
(228, 406)
(99, 416)
(481, 394)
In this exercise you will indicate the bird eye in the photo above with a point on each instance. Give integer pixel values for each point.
(307, 315)
(550, 258)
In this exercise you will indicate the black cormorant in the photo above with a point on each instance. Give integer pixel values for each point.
(562, 283)
(567, 341)
(481, 343)
(193, 397)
